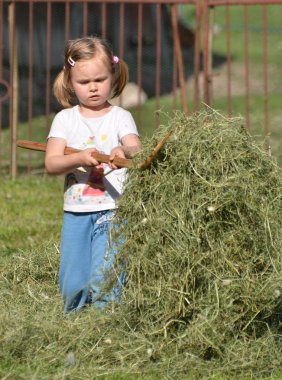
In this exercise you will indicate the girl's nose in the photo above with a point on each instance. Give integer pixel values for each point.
(93, 87)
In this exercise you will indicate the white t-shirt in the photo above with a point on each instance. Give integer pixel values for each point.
(86, 189)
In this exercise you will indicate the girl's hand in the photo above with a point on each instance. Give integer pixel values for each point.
(56, 162)
(130, 146)
(115, 152)
(85, 157)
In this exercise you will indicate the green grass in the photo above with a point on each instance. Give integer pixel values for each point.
(31, 210)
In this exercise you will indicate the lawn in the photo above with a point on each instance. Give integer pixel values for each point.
(37, 340)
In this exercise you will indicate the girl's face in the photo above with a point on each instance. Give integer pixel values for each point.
(91, 81)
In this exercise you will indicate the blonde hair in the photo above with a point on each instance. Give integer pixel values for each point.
(83, 49)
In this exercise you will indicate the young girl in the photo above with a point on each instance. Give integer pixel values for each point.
(92, 75)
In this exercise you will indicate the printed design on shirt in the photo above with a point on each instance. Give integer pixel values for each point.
(104, 137)
(89, 142)
(69, 182)
(95, 185)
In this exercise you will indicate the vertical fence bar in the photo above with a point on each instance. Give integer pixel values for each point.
(197, 49)
(121, 35)
(85, 17)
(174, 74)
(174, 81)
(104, 20)
(121, 30)
(206, 77)
(48, 63)
(228, 58)
(30, 80)
(1, 75)
(158, 57)
(139, 55)
(67, 20)
(265, 78)
(210, 53)
(246, 52)
(179, 59)
(15, 88)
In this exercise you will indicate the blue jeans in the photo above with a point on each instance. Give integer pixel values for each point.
(84, 258)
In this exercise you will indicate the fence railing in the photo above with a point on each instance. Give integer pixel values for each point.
(170, 47)
(261, 32)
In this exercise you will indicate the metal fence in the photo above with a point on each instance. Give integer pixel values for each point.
(168, 45)
(261, 30)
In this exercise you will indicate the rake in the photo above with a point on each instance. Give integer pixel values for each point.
(101, 157)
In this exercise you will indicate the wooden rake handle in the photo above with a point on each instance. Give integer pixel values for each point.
(101, 157)
(148, 160)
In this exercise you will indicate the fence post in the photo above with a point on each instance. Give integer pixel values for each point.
(13, 57)
(179, 60)
(208, 15)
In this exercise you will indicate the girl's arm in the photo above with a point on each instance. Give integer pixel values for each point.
(58, 163)
(130, 145)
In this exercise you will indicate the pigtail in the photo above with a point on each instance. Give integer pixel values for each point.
(121, 77)
(62, 91)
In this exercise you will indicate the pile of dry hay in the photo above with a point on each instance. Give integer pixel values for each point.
(203, 248)
(202, 251)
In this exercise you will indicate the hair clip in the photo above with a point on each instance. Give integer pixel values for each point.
(71, 61)
(115, 59)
